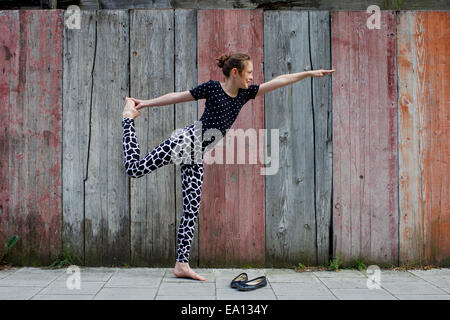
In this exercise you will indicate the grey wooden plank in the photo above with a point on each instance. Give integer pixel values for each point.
(185, 113)
(321, 88)
(106, 190)
(78, 59)
(152, 197)
(290, 216)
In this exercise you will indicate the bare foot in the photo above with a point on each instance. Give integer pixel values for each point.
(182, 270)
(130, 110)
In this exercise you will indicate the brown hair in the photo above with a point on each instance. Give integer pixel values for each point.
(230, 61)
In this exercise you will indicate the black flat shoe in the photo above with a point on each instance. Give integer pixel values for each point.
(252, 284)
(240, 278)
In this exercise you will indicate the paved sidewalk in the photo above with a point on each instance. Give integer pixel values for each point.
(161, 284)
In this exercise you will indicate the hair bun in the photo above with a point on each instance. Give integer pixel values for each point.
(221, 60)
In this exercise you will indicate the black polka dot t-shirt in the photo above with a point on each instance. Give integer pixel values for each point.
(221, 110)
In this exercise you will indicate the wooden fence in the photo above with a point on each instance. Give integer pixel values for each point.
(362, 154)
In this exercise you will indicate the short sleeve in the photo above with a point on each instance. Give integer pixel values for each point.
(201, 91)
(252, 91)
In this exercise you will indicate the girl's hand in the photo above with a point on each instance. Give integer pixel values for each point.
(321, 73)
(129, 102)
(140, 103)
(129, 111)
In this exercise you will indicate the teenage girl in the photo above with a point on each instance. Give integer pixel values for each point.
(224, 100)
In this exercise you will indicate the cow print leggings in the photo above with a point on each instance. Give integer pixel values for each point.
(191, 174)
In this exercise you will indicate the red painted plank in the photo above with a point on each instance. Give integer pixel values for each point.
(30, 144)
(424, 95)
(232, 208)
(365, 165)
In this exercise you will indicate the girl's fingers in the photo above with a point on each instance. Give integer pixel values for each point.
(129, 102)
(138, 104)
(321, 73)
(132, 99)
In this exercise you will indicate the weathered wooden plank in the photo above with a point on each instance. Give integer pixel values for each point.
(185, 113)
(320, 53)
(107, 229)
(340, 30)
(424, 88)
(290, 207)
(79, 53)
(30, 163)
(11, 146)
(365, 168)
(232, 206)
(152, 197)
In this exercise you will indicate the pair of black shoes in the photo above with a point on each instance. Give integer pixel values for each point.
(242, 283)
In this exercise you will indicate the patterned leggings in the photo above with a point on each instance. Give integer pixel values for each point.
(191, 174)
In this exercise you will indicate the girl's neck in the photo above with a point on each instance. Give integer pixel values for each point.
(229, 89)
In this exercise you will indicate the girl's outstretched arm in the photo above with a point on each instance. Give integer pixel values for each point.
(167, 99)
(286, 79)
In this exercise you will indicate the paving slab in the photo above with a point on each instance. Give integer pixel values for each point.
(93, 274)
(283, 275)
(363, 294)
(303, 297)
(264, 293)
(22, 279)
(136, 278)
(185, 297)
(438, 277)
(340, 274)
(60, 287)
(40, 271)
(197, 288)
(345, 283)
(411, 287)
(134, 282)
(142, 271)
(6, 272)
(432, 272)
(63, 297)
(126, 294)
(300, 289)
(18, 293)
(391, 275)
(422, 297)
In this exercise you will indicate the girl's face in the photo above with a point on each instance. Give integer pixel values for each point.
(247, 75)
